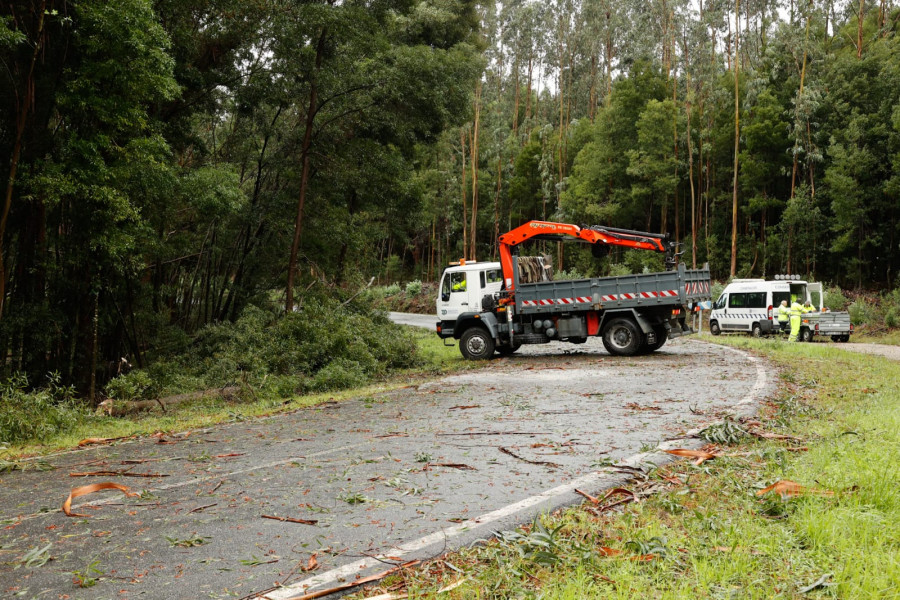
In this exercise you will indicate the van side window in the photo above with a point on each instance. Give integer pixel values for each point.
(720, 303)
(747, 300)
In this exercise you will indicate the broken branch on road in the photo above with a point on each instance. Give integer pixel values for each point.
(545, 463)
(291, 520)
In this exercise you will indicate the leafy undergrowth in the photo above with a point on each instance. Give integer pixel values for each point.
(709, 531)
(28, 426)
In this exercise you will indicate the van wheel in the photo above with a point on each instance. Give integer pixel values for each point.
(714, 328)
(476, 344)
(806, 335)
(622, 337)
(756, 331)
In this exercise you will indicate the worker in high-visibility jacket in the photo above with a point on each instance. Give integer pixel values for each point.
(784, 316)
(796, 317)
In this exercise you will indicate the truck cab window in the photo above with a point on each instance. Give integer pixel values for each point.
(457, 282)
(445, 288)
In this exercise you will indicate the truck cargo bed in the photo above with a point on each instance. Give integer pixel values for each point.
(680, 287)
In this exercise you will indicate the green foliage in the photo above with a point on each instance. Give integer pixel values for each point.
(835, 299)
(27, 414)
(861, 312)
(132, 386)
(413, 287)
(323, 346)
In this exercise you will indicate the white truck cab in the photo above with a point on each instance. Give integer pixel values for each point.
(464, 286)
(751, 305)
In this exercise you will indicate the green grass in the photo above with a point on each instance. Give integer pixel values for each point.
(713, 537)
(437, 360)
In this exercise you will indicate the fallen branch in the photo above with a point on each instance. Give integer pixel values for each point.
(116, 474)
(291, 520)
(356, 583)
(199, 508)
(117, 409)
(460, 466)
(545, 463)
(467, 407)
(496, 433)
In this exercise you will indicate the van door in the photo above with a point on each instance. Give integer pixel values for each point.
(745, 309)
(720, 311)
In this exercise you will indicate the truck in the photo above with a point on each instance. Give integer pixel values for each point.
(750, 306)
(496, 307)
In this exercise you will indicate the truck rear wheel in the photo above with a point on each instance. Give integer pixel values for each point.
(806, 335)
(622, 337)
(845, 338)
(714, 328)
(476, 344)
(835, 338)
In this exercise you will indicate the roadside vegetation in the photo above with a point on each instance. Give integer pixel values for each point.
(709, 531)
(259, 365)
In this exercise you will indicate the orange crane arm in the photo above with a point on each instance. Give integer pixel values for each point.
(545, 230)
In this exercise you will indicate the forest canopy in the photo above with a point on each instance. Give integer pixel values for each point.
(168, 164)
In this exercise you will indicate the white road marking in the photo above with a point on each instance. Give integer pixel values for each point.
(592, 481)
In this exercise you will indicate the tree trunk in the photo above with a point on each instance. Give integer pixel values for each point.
(304, 173)
(474, 161)
(737, 139)
(465, 214)
(859, 28)
(23, 105)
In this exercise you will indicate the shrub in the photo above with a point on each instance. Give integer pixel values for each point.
(861, 312)
(36, 414)
(413, 288)
(835, 300)
(618, 270)
(892, 318)
(324, 345)
(392, 290)
(133, 386)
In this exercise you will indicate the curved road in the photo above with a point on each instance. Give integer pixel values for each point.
(402, 475)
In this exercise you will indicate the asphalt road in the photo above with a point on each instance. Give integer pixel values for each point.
(402, 475)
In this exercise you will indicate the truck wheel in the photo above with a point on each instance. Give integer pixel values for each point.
(756, 331)
(622, 337)
(661, 336)
(476, 344)
(508, 350)
(806, 335)
(835, 338)
(714, 328)
(845, 338)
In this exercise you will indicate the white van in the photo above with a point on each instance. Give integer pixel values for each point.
(751, 305)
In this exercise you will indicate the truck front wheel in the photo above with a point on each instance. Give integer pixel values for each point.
(476, 344)
(622, 337)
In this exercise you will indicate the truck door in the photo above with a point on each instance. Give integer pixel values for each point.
(454, 295)
(490, 281)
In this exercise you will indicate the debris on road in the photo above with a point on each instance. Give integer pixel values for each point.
(291, 520)
(90, 489)
(545, 463)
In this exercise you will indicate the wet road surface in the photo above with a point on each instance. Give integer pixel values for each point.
(404, 475)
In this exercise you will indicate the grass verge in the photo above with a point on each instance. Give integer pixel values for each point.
(703, 531)
(437, 359)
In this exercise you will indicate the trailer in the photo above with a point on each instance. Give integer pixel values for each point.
(500, 306)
